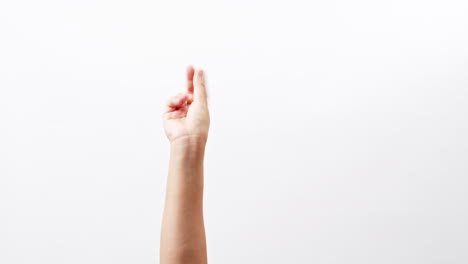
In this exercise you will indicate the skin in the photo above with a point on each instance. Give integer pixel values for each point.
(186, 123)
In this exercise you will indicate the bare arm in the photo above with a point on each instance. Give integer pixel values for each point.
(186, 123)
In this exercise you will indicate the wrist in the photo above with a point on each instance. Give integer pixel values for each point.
(189, 142)
(188, 148)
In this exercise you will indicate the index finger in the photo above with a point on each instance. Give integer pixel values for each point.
(190, 73)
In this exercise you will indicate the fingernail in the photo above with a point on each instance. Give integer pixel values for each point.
(200, 74)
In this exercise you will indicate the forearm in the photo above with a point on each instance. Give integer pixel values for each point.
(183, 232)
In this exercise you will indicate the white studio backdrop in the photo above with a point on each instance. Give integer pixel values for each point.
(339, 129)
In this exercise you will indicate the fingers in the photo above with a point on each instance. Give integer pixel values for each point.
(190, 72)
(196, 87)
(199, 87)
(177, 101)
(179, 113)
(196, 84)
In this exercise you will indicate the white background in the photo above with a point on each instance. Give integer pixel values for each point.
(339, 129)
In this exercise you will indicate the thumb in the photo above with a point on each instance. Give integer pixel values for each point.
(199, 87)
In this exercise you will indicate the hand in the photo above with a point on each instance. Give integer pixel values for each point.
(186, 118)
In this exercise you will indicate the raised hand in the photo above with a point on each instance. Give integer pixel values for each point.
(186, 122)
(186, 117)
